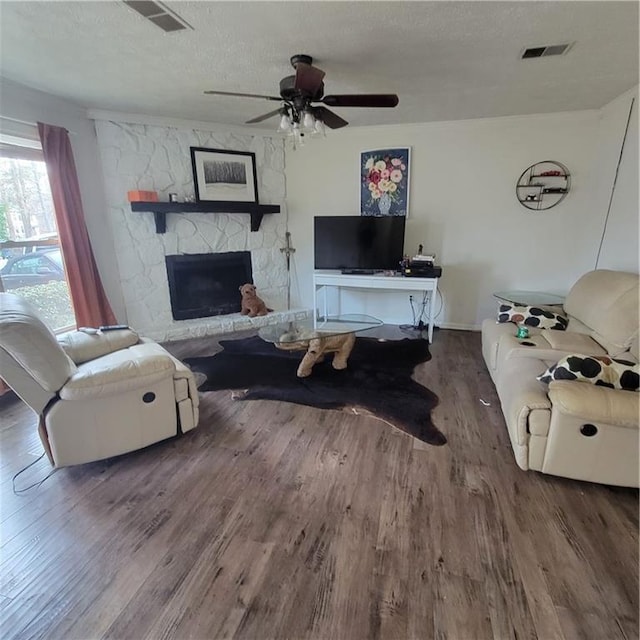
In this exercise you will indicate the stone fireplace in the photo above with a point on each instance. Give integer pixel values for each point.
(156, 158)
(203, 285)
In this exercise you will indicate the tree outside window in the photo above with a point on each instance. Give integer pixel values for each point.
(30, 259)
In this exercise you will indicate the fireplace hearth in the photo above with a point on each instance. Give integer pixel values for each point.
(207, 284)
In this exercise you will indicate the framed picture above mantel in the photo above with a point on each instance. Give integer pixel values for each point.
(221, 175)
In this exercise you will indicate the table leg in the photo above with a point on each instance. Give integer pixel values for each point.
(340, 345)
(432, 312)
(344, 346)
(315, 300)
(326, 312)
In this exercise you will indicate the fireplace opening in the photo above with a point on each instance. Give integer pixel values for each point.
(207, 284)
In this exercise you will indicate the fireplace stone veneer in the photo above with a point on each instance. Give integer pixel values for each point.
(152, 157)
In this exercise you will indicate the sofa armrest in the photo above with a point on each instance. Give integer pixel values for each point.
(593, 403)
(109, 376)
(83, 347)
(182, 372)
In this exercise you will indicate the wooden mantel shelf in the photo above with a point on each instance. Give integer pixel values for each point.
(161, 209)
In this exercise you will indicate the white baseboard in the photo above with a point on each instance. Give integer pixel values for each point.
(457, 326)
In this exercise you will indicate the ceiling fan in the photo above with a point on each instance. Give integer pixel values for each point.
(300, 91)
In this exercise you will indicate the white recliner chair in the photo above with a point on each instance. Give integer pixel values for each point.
(97, 395)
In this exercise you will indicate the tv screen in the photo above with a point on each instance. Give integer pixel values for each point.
(358, 242)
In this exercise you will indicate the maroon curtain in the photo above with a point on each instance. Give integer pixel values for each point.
(89, 300)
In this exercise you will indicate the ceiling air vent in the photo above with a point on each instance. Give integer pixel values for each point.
(547, 50)
(157, 13)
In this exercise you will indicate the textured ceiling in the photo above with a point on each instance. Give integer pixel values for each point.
(445, 60)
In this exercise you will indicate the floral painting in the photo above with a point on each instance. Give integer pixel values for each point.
(384, 182)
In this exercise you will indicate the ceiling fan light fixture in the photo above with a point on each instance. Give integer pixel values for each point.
(319, 129)
(285, 123)
(298, 136)
(298, 113)
(308, 121)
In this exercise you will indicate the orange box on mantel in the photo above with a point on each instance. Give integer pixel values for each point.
(142, 196)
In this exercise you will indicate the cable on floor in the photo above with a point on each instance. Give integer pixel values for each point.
(35, 484)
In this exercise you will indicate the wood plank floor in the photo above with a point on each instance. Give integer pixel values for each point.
(272, 520)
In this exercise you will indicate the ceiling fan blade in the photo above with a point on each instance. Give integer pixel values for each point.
(241, 95)
(332, 120)
(264, 116)
(362, 100)
(308, 78)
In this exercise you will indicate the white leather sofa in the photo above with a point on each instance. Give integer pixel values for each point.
(97, 395)
(546, 423)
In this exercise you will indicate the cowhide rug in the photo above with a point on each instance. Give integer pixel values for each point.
(377, 380)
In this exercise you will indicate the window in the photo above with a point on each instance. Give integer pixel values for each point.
(30, 259)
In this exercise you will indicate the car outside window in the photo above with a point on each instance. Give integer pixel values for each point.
(25, 266)
(56, 258)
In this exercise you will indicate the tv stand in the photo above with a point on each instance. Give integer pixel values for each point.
(324, 278)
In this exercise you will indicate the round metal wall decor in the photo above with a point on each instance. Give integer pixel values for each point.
(543, 185)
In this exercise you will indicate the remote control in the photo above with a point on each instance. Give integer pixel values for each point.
(113, 327)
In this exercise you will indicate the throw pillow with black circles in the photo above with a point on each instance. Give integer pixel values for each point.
(532, 316)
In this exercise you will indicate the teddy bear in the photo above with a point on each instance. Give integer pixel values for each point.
(252, 305)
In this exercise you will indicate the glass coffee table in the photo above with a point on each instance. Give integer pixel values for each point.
(525, 298)
(319, 336)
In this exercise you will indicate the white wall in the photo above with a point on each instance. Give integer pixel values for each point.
(462, 205)
(620, 248)
(22, 103)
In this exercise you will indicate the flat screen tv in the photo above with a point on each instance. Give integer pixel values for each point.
(358, 243)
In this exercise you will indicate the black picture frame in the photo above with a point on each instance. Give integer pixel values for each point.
(223, 175)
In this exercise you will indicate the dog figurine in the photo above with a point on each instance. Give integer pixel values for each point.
(252, 305)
